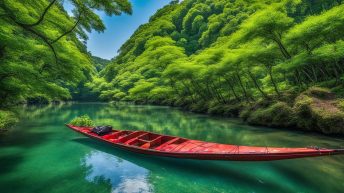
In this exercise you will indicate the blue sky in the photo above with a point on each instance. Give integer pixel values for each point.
(120, 28)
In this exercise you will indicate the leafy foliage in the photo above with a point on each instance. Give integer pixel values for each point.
(208, 55)
(82, 121)
(100, 63)
(7, 119)
(40, 49)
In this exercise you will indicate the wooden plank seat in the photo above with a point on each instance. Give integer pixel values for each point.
(130, 136)
(116, 135)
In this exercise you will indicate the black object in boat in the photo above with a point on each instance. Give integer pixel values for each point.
(102, 130)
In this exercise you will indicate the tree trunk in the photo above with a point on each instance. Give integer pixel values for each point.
(257, 85)
(282, 48)
(220, 98)
(309, 76)
(314, 73)
(269, 68)
(231, 87)
(242, 87)
(189, 91)
(173, 85)
(198, 90)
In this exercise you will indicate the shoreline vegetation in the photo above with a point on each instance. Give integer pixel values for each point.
(277, 63)
(315, 110)
(7, 120)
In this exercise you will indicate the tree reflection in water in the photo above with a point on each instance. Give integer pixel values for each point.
(123, 175)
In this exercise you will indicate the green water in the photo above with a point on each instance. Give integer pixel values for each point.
(42, 155)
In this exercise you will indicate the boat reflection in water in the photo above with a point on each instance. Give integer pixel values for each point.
(123, 175)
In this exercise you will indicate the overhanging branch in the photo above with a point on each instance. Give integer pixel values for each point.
(68, 31)
(41, 18)
(29, 28)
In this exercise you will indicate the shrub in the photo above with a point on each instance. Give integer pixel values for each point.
(245, 113)
(199, 107)
(42, 100)
(215, 108)
(82, 121)
(341, 104)
(303, 112)
(7, 119)
(279, 114)
(232, 110)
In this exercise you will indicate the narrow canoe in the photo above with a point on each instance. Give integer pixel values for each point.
(177, 147)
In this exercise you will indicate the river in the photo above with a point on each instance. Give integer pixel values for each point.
(42, 155)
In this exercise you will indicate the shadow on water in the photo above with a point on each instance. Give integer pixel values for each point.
(25, 139)
(200, 168)
(10, 161)
(20, 141)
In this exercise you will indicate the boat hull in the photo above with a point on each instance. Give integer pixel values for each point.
(206, 151)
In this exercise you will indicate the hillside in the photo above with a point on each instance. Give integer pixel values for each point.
(100, 63)
(231, 57)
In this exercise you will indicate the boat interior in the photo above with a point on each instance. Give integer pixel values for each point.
(142, 139)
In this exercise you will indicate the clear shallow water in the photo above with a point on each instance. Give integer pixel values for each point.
(42, 155)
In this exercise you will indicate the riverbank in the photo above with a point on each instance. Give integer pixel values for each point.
(8, 115)
(316, 109)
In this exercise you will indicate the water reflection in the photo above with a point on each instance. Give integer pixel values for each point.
(123, 175)
(41, 139)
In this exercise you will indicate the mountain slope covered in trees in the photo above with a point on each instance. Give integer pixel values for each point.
(263, 60)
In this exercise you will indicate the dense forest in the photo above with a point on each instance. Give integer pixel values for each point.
(276, 63)
(271, 62)
(43, 56)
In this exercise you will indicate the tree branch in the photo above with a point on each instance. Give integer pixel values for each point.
(41, 18)
(68, 31)
(38, 35)
(44, 39)
(29, 28)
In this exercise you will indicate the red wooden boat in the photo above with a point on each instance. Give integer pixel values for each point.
(177, 147)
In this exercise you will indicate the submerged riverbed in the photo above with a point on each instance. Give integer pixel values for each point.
(41, 155)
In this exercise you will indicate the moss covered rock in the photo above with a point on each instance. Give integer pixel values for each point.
(319, 93)
(279, 114)
(317, 109)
